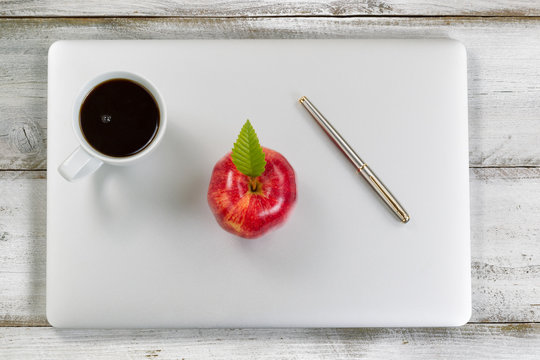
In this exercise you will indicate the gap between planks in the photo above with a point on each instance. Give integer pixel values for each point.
(470, 167)
(500, 323)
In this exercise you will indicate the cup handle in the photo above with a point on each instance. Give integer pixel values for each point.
(78, 165)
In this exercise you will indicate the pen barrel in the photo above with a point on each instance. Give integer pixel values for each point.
(383, 193)
(362, 168)
(332, 133)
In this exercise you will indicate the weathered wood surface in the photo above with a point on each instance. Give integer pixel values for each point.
(22, 247)
(505, 240)
(504, 102)
(474, 341)
(503, 55)
(505, 209)
(194, 8)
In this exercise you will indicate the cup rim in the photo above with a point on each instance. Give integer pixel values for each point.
(89, 86)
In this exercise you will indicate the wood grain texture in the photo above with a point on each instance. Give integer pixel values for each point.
(505, 242)
(245, 8)
(22, 247)
(505, 246)
(517, 341)
(503, 56)
(504, 73)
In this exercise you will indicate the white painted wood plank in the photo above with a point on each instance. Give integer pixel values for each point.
(503, 55)
(269, 8)
(505, 209)
(505, 239)
(22, 247)
(515, 341)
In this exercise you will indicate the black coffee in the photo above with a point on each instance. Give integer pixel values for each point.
(119, 118)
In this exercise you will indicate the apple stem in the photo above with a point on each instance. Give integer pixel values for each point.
(253, 184)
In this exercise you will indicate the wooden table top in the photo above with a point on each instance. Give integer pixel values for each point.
(503, 43)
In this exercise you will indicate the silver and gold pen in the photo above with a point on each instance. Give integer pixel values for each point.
(361, 166)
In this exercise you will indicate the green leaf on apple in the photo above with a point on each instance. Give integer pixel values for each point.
(247, 154)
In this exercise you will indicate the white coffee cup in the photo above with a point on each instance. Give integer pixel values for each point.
(85, 159)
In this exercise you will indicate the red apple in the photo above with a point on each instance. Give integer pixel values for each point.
(251, 207)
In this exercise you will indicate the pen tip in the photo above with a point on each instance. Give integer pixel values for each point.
(302, 99)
